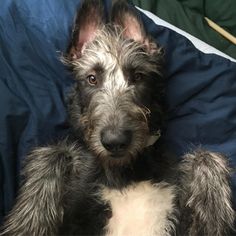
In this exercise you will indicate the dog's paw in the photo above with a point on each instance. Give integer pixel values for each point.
(206, 192)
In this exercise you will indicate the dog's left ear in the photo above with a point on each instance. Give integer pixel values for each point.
(128, 17)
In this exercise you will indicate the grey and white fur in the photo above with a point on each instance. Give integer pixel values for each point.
(105, 179)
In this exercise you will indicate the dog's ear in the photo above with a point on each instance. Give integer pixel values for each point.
(90, 17)
(128, 17)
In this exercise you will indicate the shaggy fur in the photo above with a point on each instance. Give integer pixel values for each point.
(105, 179)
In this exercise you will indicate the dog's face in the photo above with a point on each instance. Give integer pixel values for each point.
(117, 71)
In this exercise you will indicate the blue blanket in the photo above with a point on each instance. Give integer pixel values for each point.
(34, 83)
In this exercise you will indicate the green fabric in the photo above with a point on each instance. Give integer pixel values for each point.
(189, 16)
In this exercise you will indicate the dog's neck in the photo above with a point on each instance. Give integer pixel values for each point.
(118, 177)
(148, 164)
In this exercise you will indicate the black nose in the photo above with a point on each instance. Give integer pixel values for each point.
(116, 141)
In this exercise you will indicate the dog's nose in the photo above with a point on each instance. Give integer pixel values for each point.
(115, 141)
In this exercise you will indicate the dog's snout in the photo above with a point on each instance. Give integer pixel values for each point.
(116, 141)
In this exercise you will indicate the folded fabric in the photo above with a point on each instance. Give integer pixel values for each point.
(189, 16)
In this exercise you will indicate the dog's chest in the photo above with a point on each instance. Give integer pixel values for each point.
(141, 209)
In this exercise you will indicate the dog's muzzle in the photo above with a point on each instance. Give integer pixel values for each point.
(116, 141)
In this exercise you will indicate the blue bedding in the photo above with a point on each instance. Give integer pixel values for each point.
(33, 86)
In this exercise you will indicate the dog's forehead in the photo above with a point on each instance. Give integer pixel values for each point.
(115, 80)
(111, 55)
(110, 49)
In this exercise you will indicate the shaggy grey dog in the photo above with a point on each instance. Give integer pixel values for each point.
(110, 177)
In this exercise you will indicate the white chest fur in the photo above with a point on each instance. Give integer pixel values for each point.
(140, 210)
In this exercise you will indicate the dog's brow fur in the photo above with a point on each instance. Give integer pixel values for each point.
(109, 49)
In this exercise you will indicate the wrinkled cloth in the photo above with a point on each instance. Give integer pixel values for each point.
(189, 16)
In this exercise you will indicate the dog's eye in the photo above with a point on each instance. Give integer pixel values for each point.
(92, 79)
(137, 77)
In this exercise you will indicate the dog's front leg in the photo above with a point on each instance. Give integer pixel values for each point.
(39, 208)
(205, 195)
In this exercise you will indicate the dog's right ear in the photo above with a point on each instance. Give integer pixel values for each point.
(90, 17)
